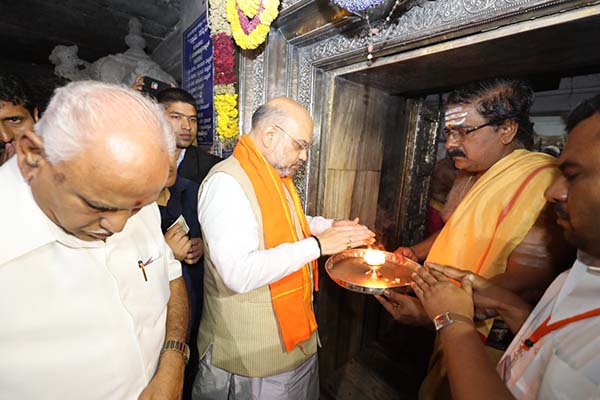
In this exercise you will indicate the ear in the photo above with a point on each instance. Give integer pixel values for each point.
(36, 114)
(30, 154)
(508, 131)
(268, 137)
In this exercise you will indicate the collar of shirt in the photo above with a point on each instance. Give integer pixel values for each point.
(180, 158)
(578, 294)
(28, 226)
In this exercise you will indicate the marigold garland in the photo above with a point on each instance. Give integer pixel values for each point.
(250, 24)
(227, 118)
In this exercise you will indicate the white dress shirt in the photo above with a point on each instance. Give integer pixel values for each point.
(231, 233)
(77, 318)
(564, 364)
(180, 158)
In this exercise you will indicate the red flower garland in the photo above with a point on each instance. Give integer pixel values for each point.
(223, 59)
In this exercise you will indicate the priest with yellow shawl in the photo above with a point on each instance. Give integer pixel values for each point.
(497, 223)
(258, 333)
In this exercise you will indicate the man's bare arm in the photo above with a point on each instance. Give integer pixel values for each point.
(167, 383)
(471, 375)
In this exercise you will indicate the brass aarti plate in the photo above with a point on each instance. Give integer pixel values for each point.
(350, 270)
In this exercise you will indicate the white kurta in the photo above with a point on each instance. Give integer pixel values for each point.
(77, 319)
(231, 233)
(564, 364)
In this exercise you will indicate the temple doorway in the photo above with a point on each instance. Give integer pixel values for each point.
(379, 142)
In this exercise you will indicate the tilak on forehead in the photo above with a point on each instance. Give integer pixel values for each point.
(455, 116)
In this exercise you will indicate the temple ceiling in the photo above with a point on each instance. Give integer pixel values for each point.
(29, 29)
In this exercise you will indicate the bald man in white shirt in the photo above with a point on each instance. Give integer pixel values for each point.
(91, 295)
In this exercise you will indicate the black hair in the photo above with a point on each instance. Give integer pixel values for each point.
(584, 110)
(172, 95)
(499, 100)
(14, 90)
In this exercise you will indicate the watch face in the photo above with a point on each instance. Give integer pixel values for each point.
(441, 321)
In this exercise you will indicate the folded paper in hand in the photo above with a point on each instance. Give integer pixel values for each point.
(182, 224)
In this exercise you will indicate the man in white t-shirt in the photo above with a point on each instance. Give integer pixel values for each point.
(556, 351)
(91, 296)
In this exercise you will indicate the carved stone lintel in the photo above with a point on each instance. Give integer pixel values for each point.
(288, 3)
(430, 19)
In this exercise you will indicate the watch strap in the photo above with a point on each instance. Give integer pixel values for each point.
(180, 347)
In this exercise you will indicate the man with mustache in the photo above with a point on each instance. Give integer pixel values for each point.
(258, 335)
(497, 224)
(17, 113)
(91, 296)
(555, 354)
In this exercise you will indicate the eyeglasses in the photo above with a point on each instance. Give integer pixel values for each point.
(458, 134)
(300, 144)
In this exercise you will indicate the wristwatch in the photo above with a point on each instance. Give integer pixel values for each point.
(444, 319)
(179, 347)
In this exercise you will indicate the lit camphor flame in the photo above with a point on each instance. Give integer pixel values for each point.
(374, 257)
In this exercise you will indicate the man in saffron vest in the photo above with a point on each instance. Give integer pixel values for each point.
(497, 223)
(258, 334)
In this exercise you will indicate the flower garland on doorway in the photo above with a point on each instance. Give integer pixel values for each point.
(251, 20)
(225, 97)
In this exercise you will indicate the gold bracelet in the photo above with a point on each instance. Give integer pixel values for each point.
(180, 347)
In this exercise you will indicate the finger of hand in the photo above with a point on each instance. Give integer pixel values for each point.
(419, 281)
(386, 304)
(426, 276)
(346, 222)
(192, 260)
(439, 276)
(354, 229)
(418, 291)
(174, 231)
(184, 242)
(447, 270)
(395, 296)
(194, 252)
(180, 235)
(405, 252)
(467, 284)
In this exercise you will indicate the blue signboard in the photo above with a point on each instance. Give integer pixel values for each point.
(197, 74)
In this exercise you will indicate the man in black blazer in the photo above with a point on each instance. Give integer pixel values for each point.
(180, 109)
(193, 165)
